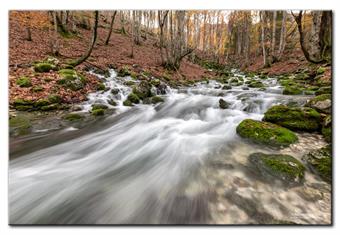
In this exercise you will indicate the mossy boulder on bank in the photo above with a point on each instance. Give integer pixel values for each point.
(52, 102)
(322, 103)
(133, 98)
(292, 90)
(283, 167)
(265, 133)
(320, 162)
(294, 118)
(324, 90)
(256, 84)
(98, 112)
(142, 90)
(24, 82)
(71, 79)
(44, 67)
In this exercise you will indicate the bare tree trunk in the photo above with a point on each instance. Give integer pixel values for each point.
(93, 41)
(161, 22)
(273, 54)
(28, 34)
(111, 27)
(263, 40)
(55, 49)
(283, 35)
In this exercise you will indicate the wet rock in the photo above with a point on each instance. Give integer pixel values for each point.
(142, 90)
(292, 90)
(162, 88)
(223, 104)
(256, 84)
(265, 133)
(115, 91)
(310, 194)
(320, 162)
(217, 87)
(322, 103)
(112, 102)
(294, 118)
(133, 98)
(245, 88)
(226, 87)
(283, 167)
(99, 106)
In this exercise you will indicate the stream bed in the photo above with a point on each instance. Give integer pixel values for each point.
(176, 162)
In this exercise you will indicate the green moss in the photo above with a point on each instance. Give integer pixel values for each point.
(156, 99)
(320, 70)
(41, 102)
(37, 88)
(142, 90)
(133, 98)
(101, 87)
(287, 82)
(22, 102)
(322, 97)
(54, 99)
(44, 67)
(24, 107)
(48, 79)
(129, 83)
(124, 71)
(265, 133)
(256, 84)
(71, 79)
(24, 82)
(112, 102)
(324, 90)
(127, 103)
(73, 117)
(320, 161)
(155, 82)
(283, 167)
(99, 106)
(294, 118)
(292, 90)
(49, 107)
(327, 133)
(20, 125)
(98, 112)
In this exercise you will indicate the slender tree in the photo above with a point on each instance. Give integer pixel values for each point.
(111, 27)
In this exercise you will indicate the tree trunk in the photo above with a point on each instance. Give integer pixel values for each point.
(273, 54)
(111, 27)
(282, 35)
(93, 41)
(55, 47)
(263, 40)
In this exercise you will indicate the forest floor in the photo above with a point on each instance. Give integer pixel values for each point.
(146, 59)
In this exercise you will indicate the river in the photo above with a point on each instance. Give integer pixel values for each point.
(177, 162)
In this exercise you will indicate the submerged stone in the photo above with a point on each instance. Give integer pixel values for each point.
(283, 167)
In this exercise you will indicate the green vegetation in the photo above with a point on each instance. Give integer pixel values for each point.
(71, 79)
(292, 90)
(98, 112)
(24, 82)
(99, 106)
(101, 87)
(44, 67)
(265, 133)
(73, 117)
(20, 125)
(256, 84)
(294, 118)
(320, 161)
(156, 99)
(133, 98)
(37, 88)
(283, 167)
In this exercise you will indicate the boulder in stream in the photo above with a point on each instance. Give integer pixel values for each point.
(294, 118)
(266, 133)
(283, 167)
(320, 162)
(322, 103)
(223, 104)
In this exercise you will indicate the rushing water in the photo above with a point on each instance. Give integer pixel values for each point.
(175, 162)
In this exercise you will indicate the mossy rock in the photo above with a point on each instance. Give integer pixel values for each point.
(283, 167)
(44, 67)
(19, 125)
(320, 70)
(265, 133)
(115, 91)
(294, 118)
(287, 82)
(127, 103)
(226, 87)
(322, 103)
(124, 71)
(99, 106)
(156, 99)
(292, 90)
(49, 107)
(24, 82)
(263, 76)
(133, 98)
(223, 104)
(98, 112)
(37, 89)
(41, 102)
(129, 83)
(320, 162)
(101, 87)
(54, 99)
(142, 90)
(18, 102)
(71, 79)
(327, 133)
(73, 117)
(155, 82)
(256, 84)
(324, 90)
